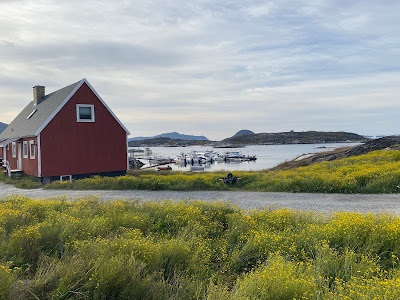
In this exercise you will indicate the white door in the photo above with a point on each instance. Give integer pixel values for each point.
(19, 161)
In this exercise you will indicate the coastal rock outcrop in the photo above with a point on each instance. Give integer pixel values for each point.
(385, 143)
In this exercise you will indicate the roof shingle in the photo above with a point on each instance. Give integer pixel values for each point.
(23, 127)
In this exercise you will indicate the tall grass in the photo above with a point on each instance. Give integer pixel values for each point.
(87, 249)
(26, 182)
(376, 172)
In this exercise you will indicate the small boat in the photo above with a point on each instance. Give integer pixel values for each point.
(147, 152)
(160, 160)
(197, 168)
(164, 168)
(202, 159)
(228, 146)
(136, 150)
(182, 159)
(234, 154)
(233, 159)
(219, 159)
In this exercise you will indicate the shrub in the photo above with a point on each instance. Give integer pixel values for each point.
(58, 249)
(277, 279)
(375, 172)
(7, 279)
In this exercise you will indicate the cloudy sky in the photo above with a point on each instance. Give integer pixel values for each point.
(211, 67)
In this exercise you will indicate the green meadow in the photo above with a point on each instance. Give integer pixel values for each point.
(375, 172)
(88, 249)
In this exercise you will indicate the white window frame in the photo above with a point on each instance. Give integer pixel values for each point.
(14, 149)
(78, 119)
(25, 149)
(32, 155)
(66, 178)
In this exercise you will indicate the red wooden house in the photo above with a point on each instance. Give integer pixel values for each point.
(70, 133)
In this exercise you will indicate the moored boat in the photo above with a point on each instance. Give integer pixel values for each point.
(196, 168)
(160, 160)
(164, 168)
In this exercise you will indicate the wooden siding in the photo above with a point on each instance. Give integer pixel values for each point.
(69, 147)
(29, 165)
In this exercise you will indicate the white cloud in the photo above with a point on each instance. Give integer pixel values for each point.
(354, 22)
(200, 65)
(261, 10)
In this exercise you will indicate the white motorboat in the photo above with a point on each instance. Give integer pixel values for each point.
(196, 168)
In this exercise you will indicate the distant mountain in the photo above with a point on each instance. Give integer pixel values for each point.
(166, 142)
(292, 137)
(243, 132)
(173, 136)
(2, 127)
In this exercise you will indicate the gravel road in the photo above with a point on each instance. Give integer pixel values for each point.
(389, 203)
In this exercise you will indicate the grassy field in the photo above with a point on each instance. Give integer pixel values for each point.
(27, 182)
(375, 172)
(87, 249)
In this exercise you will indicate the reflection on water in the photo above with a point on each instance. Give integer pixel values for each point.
(268, 156)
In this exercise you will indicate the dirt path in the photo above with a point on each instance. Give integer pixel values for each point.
(389, 203)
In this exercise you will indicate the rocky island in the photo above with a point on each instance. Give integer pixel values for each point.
(247, 137)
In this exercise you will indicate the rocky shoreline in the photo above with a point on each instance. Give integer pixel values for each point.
(385, 143)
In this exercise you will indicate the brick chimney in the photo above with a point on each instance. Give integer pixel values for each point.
(38, 93)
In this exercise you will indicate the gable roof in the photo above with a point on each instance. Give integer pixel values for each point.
(46, 110)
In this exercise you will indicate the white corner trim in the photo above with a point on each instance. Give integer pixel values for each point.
(60, 107)
(127, 152)
(39, 154)
(69, 97)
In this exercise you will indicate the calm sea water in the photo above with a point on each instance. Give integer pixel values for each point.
(268, 156)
